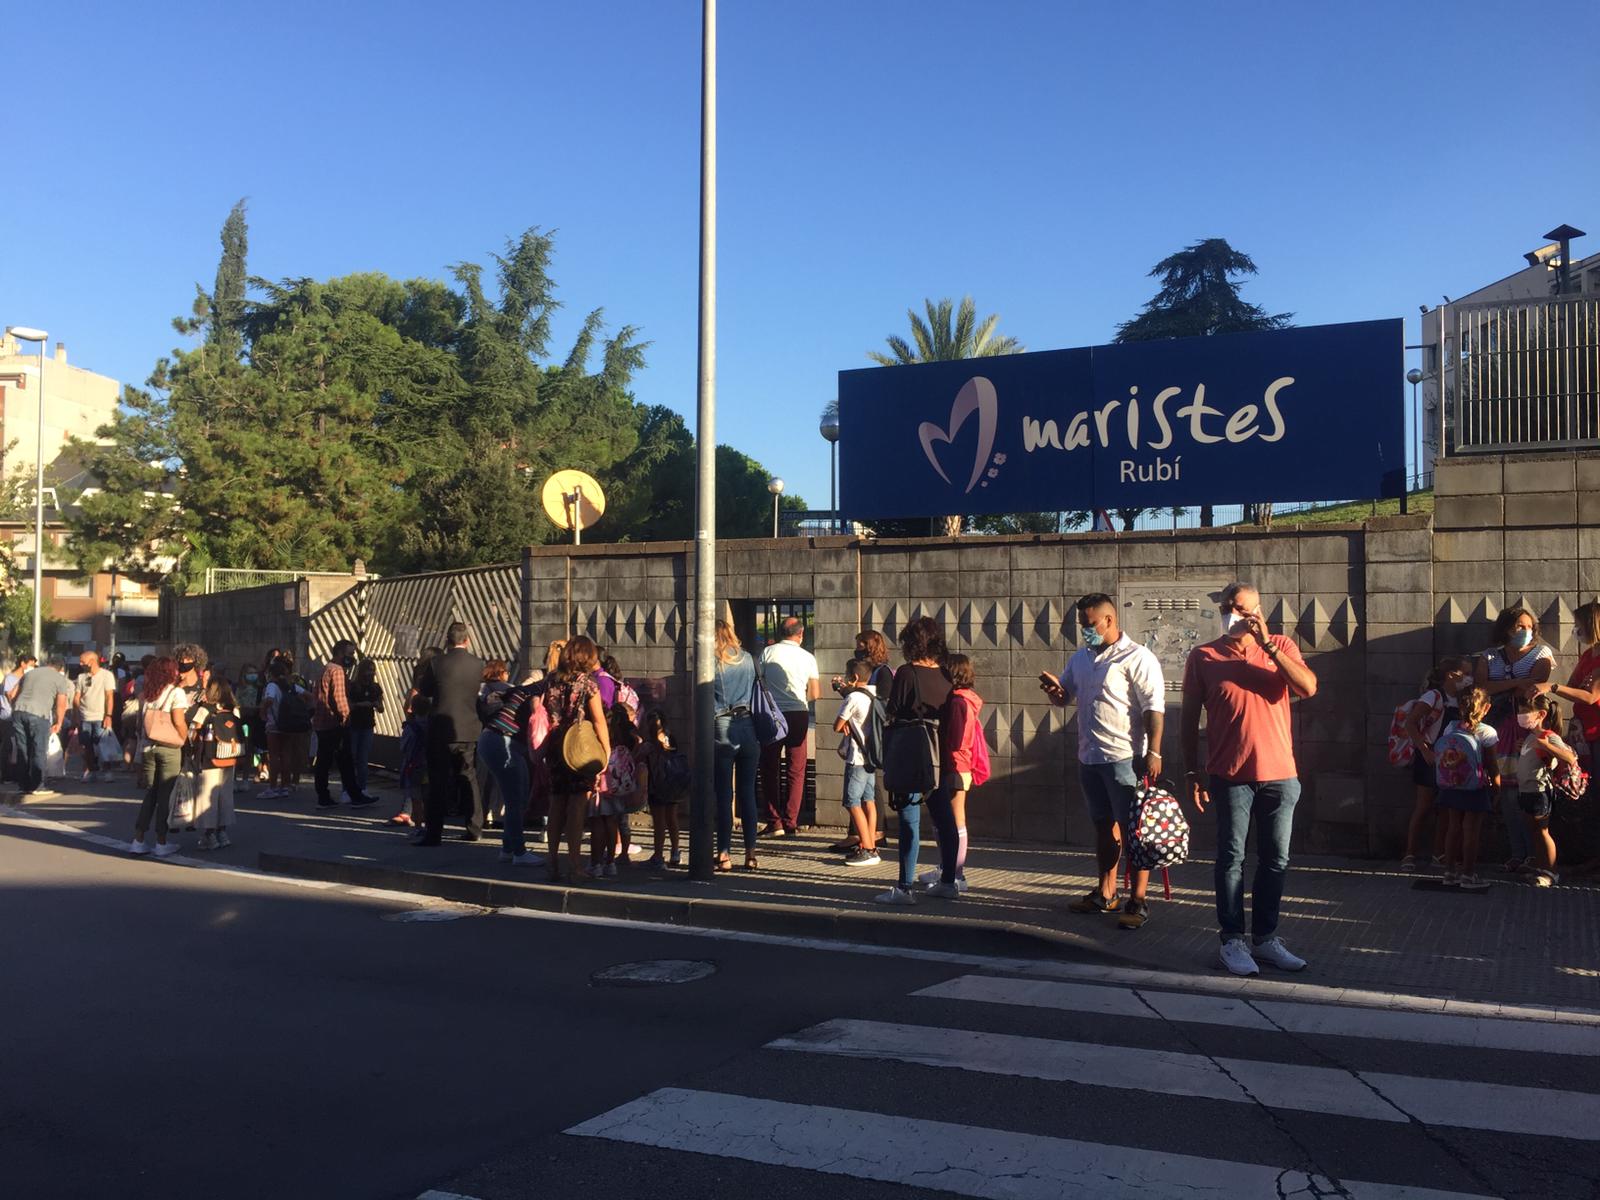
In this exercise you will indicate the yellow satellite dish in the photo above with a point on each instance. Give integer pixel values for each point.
(573, 500)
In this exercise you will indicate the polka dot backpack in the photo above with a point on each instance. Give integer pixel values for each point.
(1160, 831)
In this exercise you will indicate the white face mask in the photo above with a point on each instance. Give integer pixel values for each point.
(1234, 625)
(1530, 720)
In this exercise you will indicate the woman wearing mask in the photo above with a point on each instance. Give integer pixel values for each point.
(1582, 689)
(738, 749)
(1516, 665)
(166, 731)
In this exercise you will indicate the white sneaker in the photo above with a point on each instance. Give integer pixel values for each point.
(1236, 957)
(1275, 954)
(528, 859)
(961, 883)
(895, 895)
(945, 891)
(138, 847)
(930, 876)
(223, 840)
(166, 849)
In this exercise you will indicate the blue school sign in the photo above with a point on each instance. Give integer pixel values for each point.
(1295, 414)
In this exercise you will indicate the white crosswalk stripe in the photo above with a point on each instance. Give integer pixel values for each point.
(951, 1158)
(976, 1160)
(1439, 1029)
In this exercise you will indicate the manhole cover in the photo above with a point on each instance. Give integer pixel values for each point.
(430, 914)
(654, 973)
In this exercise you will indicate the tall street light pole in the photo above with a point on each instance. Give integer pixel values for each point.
(1413, 377)
(830, 430)
(24, 334)
(702, 801)
(775, 486)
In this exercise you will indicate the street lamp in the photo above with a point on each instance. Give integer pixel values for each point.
(1413, 377)
(775, 486)
(24, 333)
(830, 430)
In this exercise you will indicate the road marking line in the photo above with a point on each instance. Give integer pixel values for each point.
(1433, 1028)
(1164, 1072)
(991, 1163)
(436, 1195)
(1500, 1107)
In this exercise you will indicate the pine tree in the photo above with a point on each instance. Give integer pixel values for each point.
(228, 293)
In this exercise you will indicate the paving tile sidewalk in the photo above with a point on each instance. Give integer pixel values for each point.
(1360, 924)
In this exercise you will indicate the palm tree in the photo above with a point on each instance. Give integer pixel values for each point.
(950, 332)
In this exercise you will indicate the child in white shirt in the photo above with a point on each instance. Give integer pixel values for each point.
(859, 779)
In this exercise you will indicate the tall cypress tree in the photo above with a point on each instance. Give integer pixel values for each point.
(227, 294)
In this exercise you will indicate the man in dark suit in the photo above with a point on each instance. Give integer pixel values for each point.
(451, 680)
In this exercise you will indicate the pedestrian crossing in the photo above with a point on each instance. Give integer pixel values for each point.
(1191, 1067)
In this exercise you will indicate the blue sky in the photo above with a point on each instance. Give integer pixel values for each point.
(1040, 156)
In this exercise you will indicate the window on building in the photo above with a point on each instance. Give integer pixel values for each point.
(74, 589)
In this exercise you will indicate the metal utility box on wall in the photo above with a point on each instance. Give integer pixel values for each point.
(1171, 617)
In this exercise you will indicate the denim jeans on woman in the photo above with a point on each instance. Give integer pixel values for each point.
(1271, 803)
(509, 766)
(360, 753)
(738, 753)
(909, 841)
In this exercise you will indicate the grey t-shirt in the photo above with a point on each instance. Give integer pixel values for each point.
(95, 692)
(39, 690)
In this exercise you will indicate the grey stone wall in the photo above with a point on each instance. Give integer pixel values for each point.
(241, 626)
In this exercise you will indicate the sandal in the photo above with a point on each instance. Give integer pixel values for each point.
(1408, 863)
(750, 863)
(1094, 902)
(724, 863)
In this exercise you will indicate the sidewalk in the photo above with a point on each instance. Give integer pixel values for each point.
(1360, 924)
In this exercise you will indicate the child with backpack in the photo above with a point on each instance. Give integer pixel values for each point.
(666, 770)
(1411, 740)
(859, 709)
(413, 761)
(620, 792)
(1543, 753)
(218, 743)
(1465, 766)
(963, 765)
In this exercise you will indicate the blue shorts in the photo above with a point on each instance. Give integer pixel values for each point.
(859, 784)
(1470, 800)
(1109, 790)
(89, 734)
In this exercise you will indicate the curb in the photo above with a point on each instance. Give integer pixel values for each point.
(957, 935)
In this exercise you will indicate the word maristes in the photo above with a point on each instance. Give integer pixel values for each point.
(1241, 426)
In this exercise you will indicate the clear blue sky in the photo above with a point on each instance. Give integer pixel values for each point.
(1040, 156)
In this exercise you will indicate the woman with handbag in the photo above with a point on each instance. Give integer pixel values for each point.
(916, 702)
(166, 731)
(577, 750)
(738, 749)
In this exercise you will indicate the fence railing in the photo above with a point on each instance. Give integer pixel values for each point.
(232, 579)
(1524, 375)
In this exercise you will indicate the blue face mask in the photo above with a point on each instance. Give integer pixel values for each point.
(1092, 637)
(1521, 639)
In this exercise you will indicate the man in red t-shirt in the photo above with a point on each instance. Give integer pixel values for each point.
(1243, 682)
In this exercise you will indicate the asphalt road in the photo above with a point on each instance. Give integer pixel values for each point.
(178, 1032)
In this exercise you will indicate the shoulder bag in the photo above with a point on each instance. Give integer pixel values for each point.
(159, 728)
(580, 745)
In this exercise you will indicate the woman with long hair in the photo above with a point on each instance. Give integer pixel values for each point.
(165, 711)
(738, 750)
(1582, 689)
(919, 692)
(573, 695)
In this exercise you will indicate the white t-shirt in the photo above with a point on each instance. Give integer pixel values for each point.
(270, 699)
(1113, 690)
(853, 712)
(95, 693)
(787, 668)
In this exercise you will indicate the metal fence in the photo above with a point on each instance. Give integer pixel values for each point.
(1525, 375)
(233, 579)
(392, 621)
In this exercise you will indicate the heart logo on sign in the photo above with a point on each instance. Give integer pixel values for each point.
(977, 395)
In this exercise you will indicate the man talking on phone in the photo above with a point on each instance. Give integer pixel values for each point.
(1121, 698)
(1243, 681)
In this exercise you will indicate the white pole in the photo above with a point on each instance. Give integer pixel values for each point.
(38, 525)
(702, 801)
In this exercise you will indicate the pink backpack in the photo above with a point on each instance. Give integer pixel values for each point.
(1401, 751)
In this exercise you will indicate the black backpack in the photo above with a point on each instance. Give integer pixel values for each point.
(870, 740)
(222, 742)
(294, 711)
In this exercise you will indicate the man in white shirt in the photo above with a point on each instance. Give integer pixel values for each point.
(95, 694)
(790, 672)
(1121, 699)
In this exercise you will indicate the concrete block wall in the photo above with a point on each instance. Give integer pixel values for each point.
(240, 627)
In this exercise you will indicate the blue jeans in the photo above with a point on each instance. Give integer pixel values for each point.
(360, 752)
(858, 785)
(909, 842)
(1271, 803)
(738, 753)
(31, 733)
(1109, 790)
(504, 758)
